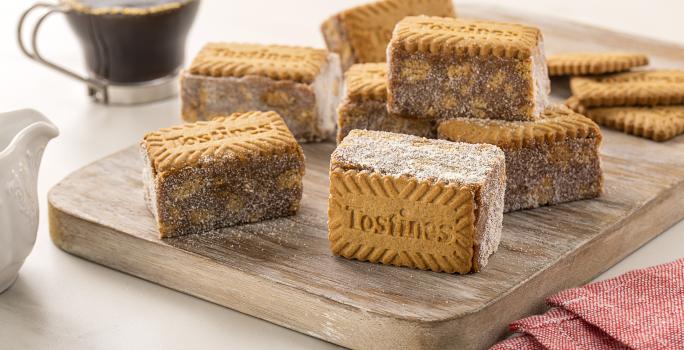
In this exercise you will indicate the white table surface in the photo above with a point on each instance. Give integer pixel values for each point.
(63, 302)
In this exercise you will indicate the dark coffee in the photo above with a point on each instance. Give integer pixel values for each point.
(117, 5)
(128, 41)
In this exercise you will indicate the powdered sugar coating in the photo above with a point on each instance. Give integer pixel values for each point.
(425, 159)
(479, 168)
(226, 191)
(373, 115)
(554, 173)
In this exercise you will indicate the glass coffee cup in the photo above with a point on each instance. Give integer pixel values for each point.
(133, 49)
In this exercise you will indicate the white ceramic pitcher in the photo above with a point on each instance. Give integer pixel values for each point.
(23, 137)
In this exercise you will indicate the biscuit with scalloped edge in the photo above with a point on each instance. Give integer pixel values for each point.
(366, 82)
(574, 104)
(466, 37)
(556, 124)
(360, 34)
(642, 88)
(234, 136)
(300, 64)
(594, 63)
(660, 123)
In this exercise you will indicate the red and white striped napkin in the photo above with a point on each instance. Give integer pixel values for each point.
(642, 309)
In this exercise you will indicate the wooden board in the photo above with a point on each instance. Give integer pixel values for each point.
(282, 271)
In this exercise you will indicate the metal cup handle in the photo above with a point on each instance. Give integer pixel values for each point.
(95, 86)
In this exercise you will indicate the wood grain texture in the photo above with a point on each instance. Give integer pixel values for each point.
(282, 270)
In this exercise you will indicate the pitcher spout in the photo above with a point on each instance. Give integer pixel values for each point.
(25, 133)
(23, 137)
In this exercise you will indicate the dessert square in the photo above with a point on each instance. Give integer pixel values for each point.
(458, 68)
(301, 84)
(364, 105)
(641, 88)
(410, 201)
(202, 176)
(360, 34)
(549, 161)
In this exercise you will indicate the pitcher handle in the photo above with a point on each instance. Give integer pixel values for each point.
(95, 86)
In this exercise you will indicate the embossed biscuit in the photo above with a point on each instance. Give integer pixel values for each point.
(575, 104)
(366, 82)
(409, 201)
(642, 88)
(660, 123)
(236, 169)
(364, 105)
(594, 63)
(360, 34)
(549, 161)
(301, 84)
(450, 68)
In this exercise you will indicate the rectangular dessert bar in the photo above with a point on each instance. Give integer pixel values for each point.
(410, 201)
(364, 105)
(549, 161)
(360, 34)
(202, 176)
(451, 68)
(301, 84)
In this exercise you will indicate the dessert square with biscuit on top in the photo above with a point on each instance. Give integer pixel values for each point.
(410, 201)
(451, 68)
(364, 105)
(235, 169)
(549, 161)
(303, 85)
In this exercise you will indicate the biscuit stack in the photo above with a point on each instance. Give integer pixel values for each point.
(648, 103)
(479, 82)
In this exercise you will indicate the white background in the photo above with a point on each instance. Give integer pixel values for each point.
(63, 302)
